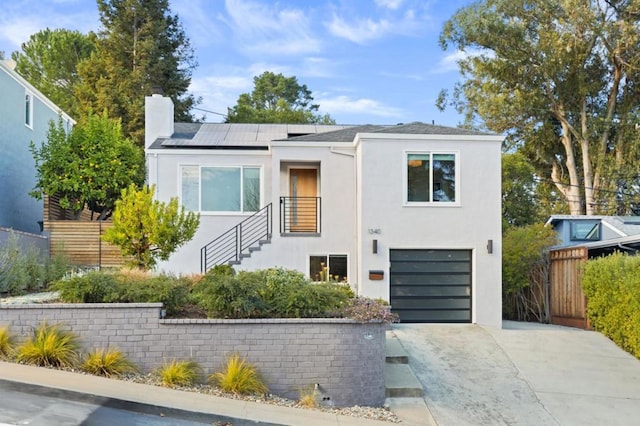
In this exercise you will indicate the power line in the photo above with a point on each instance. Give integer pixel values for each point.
(210, 112)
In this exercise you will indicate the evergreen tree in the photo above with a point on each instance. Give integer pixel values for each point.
(49, 61)
(142, 45)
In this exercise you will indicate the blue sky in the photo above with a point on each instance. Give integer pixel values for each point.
(365, 61)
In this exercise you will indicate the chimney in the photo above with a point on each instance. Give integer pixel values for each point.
(158, 118)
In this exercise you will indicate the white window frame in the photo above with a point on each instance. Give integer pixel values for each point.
(405, 179)
(229, 166)
(28, 112)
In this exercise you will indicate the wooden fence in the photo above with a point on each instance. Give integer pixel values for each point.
(567, 300)
(81, 243)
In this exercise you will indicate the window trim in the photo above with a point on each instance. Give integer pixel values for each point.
(28, 109)
(222, 212)
(405, 179)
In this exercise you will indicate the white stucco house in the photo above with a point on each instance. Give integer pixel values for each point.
(408, 213)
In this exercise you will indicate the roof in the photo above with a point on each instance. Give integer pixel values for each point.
(416, 128)
(8, 65)
(623, 225)
(235, 135)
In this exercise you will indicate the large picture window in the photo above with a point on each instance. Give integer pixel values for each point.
(431, 177)
(221, 189)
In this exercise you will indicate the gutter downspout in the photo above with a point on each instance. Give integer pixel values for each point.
(355, 211)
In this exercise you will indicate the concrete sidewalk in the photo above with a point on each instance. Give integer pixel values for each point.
(523, 374)
(157, 400)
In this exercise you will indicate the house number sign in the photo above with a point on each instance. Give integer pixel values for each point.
(375, 231)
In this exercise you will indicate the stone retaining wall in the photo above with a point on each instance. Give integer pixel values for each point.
(345, 358)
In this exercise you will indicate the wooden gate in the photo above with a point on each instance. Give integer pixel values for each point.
(567, 300)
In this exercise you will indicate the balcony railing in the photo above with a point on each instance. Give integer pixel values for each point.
(300, 215)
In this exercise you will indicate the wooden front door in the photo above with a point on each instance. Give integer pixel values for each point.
(303, 190)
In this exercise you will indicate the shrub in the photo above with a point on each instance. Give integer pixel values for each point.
(50, 345)
(309, 397)
(239, 377)
(275, 293)
(524, 270)
(107, 363)
(91, 287)
(363, 309)
(125, 286)
(6, 342)
(227, 296)
(612, 287)
(179, 373)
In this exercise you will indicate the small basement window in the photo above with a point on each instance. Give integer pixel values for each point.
(585, 231)
(331, 267)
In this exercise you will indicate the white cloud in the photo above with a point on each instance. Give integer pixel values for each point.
(202, 29)
(344, 104)
(267, 30)
(389, 4)
(360, 31)
(449, 62)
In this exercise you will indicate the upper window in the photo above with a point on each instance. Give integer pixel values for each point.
(28, 110)
(221, 189)
(431, 177)
(585, 231)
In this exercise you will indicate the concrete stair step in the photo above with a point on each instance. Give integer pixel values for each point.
(395, 353)
(401, 382)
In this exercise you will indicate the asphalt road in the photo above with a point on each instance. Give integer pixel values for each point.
(19, 408)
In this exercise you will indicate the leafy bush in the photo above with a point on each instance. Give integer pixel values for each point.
(612, 287)
(274, 293)
(6, 342)
(107, 363)
(179, 373)
(50, 345)
(24, 270)
(524, 268)
(363, 309)
(90, 287)
(125, 286)
(239, 377)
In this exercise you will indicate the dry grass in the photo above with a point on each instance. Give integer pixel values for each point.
(309, 397)
(239, 377)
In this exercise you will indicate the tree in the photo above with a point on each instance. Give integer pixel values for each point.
(519, 206)
(88, 166)
(559, 77)
(49, 61)
(141, 46)
(148, 229)
(276, 99)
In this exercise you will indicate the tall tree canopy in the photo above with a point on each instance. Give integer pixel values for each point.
(49, 61)
(142, 45)
(276, 99)
(559, 77)
(87, 167)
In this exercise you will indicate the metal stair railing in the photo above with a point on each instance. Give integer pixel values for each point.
(238, 242)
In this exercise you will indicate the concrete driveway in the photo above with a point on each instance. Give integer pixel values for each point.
(523, 374)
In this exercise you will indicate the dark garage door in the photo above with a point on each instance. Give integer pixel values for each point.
(431, 285)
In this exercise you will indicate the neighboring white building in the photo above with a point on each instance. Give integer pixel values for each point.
(408, 213)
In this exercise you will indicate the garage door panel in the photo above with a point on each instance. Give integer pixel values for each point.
(430, 267)
(430, 255)
(434, 316)
(435, 303)
(430, 291)
(430, 279)
(431, 285)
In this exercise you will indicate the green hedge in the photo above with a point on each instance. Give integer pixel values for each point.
(125, 287)
(268, 293)
(612, 287)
